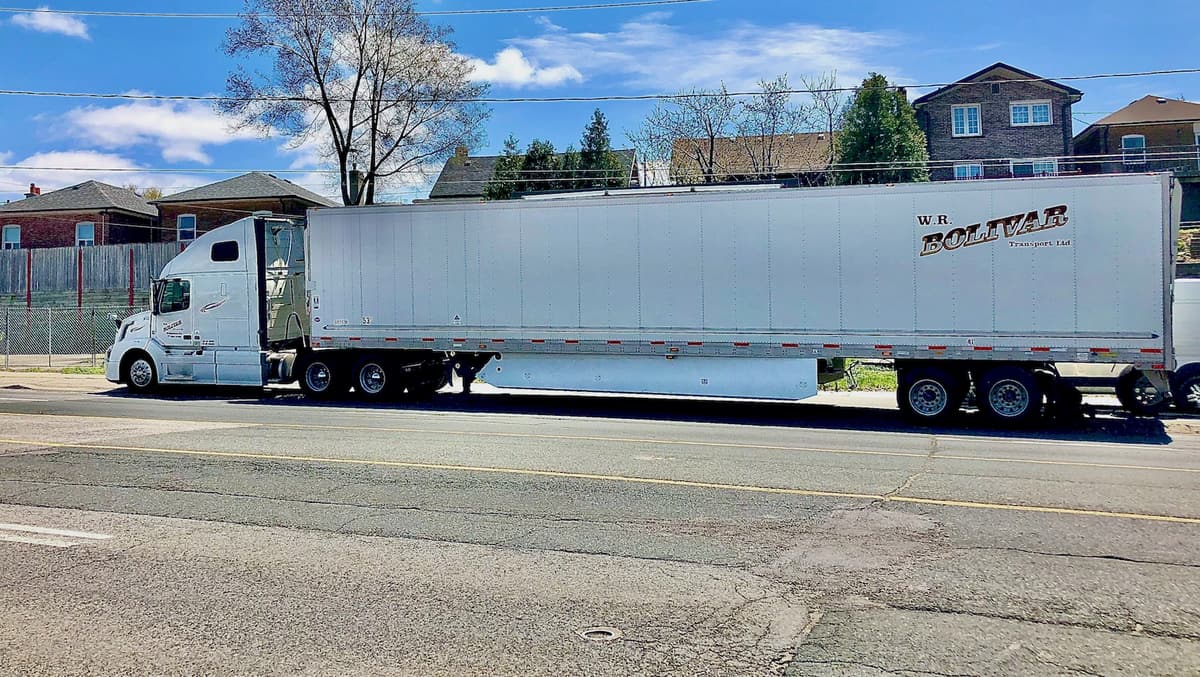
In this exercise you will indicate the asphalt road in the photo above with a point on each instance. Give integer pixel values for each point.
(238, 533)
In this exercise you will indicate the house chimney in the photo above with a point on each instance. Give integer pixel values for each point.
(461, 152)
(34, 191)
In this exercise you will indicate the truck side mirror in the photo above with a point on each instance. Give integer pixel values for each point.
(116, 320)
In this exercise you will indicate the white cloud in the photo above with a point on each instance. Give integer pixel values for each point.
(42, 20)
(651, 53)
(513, 69)
(86, 165)
(181, 130)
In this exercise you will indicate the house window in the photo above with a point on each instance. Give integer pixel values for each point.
(964, 172)
(1133, 149)
(185, 227)
(85, 234)
(966, 120)
(1043, 167)
(12, 237)
(1030, 113)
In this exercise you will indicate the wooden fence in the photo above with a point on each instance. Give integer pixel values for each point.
(62, 270)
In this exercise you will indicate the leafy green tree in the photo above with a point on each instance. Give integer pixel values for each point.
(569, 170)
(507, 172)
(880, 141)
(540, 167)
(598, 164)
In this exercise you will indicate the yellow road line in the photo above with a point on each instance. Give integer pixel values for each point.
(557, 474)
(668, 442)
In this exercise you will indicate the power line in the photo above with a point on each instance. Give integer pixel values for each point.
(130, 96)
(447, 12)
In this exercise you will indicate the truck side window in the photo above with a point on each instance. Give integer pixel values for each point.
(176, 296)
(225, 251)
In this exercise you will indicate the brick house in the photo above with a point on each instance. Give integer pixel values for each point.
(996, 124)
(800, 159)
(184, 216)
(1151, 134)
(464, 176)
(90, 213)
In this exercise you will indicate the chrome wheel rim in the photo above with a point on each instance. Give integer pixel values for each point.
(1145, 394)
(928, 397)
(372, 379)
(141, 373)
(1008, 398)
(318, 377)
(1192, 396)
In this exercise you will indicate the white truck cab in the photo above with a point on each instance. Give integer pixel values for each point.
(209, 323)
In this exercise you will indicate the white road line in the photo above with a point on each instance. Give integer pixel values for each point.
(39, 540)
(66, 533)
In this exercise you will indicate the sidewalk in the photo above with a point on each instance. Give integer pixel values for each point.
(54, 382)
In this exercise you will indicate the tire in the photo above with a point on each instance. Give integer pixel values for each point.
(1187, 394)
(322, 377)
(425, 383)
(1010, 395)
(1139, 396)
(372, 378)
(930, 394)
(139, 374)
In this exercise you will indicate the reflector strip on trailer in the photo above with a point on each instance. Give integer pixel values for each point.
(428, 340)
(537, 340)
(1152, 351)
(791, 345)
(571, 342)
(354, 338)
(497, 340)
(741, 344)
(326, 338)
(881, 347)
(391, 339)
(983, 348)
(658, 343)
(937, 347)
(695, 343)
(1101, 350)
(460, 340)
(1039, 349)
(832, 345)
(614, 343)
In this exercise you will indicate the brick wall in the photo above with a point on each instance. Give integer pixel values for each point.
(999, 138)
(1178, 139)
(57, 229)
(211, 215)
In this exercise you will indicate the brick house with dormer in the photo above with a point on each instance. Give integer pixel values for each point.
(996, 123)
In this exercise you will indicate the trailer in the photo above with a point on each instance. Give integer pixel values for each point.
(973, 287)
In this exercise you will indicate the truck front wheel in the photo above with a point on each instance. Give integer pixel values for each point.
(321, 376)
(1010, 395)
(929, 394)
(138, 373)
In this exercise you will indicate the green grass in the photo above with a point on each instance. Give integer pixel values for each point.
(87, 371)
(871, 378)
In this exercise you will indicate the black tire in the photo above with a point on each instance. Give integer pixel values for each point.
(1187, 393)
(1010, 395)
(930, 395)
(373, 378)
(1139, 396)
(425, 382)
(321, 376)
(138, 373)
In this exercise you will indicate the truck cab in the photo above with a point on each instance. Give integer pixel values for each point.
(220, 311)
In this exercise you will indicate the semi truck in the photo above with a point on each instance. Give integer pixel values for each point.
(974, 288)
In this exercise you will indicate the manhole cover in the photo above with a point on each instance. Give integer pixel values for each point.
(600, 634)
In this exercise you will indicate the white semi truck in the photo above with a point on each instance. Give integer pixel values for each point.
(981, 286)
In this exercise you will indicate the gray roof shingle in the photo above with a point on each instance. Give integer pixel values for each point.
(255, 185)
(86, 196)
(466, 177)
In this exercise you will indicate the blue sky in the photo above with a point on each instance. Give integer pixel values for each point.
(624, 51)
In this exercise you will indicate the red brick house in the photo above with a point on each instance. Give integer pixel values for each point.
(90, 213)
(996, 123)
(184, 216)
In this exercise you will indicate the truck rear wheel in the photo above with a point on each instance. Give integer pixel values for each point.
(929, 394)
(321, 376)
(1139, 396)
(372, 378)
(1010, 395)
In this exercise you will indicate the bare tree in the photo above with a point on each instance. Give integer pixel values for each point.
(686, 130)
(766, 122)
(368, 82)
(828, 102)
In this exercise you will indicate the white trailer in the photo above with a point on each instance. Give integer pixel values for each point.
(724, 293)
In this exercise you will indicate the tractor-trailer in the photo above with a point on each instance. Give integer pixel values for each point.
(723, 292)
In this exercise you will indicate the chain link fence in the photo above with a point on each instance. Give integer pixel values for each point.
(58, 337)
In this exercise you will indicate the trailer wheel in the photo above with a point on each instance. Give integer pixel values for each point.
(138, 373)
(1139, 396)
(1010, 395)
(929, 394)
(1187, 393)
(321, 376)
(372, 378)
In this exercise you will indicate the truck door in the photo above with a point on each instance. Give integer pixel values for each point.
(174, 330)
